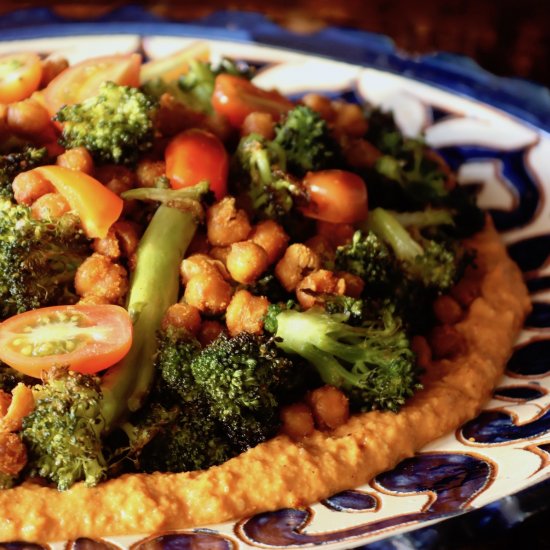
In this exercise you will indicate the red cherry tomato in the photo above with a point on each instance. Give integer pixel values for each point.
(96, 205)
(197, 155)
(81, 81)
(335, 196)
(87, 339)
(235, 97)
(20, 76)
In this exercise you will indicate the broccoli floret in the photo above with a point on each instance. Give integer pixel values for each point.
(306, 140)
(368, 257)
(115, 126)
(192, 441)
(14, 163)
(88, 411)
(260, 170)
(372, 363)
(242, 378)
(436, 263)
(38, 259)
(62, 433)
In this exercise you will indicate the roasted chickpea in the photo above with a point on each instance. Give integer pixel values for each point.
(350, 119)
(246, 261)
(13, 455)
(297, 262)
(246, 313)
(330, 407)
(320, 104)
(297, 421)
(313, 288)
(21, 405)
(225, 224)
(337, 234)
(209, 331)
(49, 207)
(210, 293)
(183, 316)
(360, 153)
(148, 171)
(29, 186)
(116, 178)
(259, 123)
(100, 276)
(77, 159)
(201, 265)
(30, 119)
(271, 237)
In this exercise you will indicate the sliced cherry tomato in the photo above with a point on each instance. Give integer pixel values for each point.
(235, 97)
(85, 338)
(196, 155)
(82, 80)
(20, 76)
(335, 196)
(96, 205)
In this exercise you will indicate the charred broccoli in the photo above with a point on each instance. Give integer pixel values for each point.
(115, 126)
(38, 259)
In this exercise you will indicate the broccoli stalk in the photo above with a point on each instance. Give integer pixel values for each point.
(432, 262)
(65, 442)
(372, 363)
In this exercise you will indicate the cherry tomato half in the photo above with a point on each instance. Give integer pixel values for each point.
(335, 196)
(81, 81)
(20, 76)
(96, 205)
(86, 338)
(235, 97)
(196, 155)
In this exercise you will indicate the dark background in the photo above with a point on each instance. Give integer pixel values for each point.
(507, 37)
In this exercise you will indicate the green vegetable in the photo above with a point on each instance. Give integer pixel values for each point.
(12, 164)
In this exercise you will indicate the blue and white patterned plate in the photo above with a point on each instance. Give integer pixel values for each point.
(494, 132)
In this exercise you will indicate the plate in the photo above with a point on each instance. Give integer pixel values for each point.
(494, 133)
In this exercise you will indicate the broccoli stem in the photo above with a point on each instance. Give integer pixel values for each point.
(387, 227)
(153, 288)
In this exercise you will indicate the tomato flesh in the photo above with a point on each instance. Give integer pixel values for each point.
(235, 98)
(335, 196)
(197, 155)
(86, 338)
(82, 81)
(96, 205)
(20, 76)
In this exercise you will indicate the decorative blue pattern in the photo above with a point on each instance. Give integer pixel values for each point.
(198, 540)
(351, 501)
(532, 253)
(533, 359)
(539, 317)
(518, 393)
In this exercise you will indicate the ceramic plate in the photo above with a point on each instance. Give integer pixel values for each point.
(494, 133)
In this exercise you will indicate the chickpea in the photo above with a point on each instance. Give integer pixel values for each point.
(92, 300)
(13, 455)
(330, 407)
(127, 234)
(116, 178)
(220, 253)
(148, 171)
(173, 116)
(30, 119)
(320, 104)
(353, 284)
(209, 331)
(313, 288)
(77, 159)
(108, 245)
(297, 421)
(210, 293)
(349, 119)
(246, 261)
(245, 313)
(466, 290)
(29, 186)
(201, 265)
(259, 123)
(322, 247)
(184, 316)
(52, 66)
(49, 207)
(447, 310)
(99, 276)
(271, 237)
(225, 224)
(297, 262)
(22, 404)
